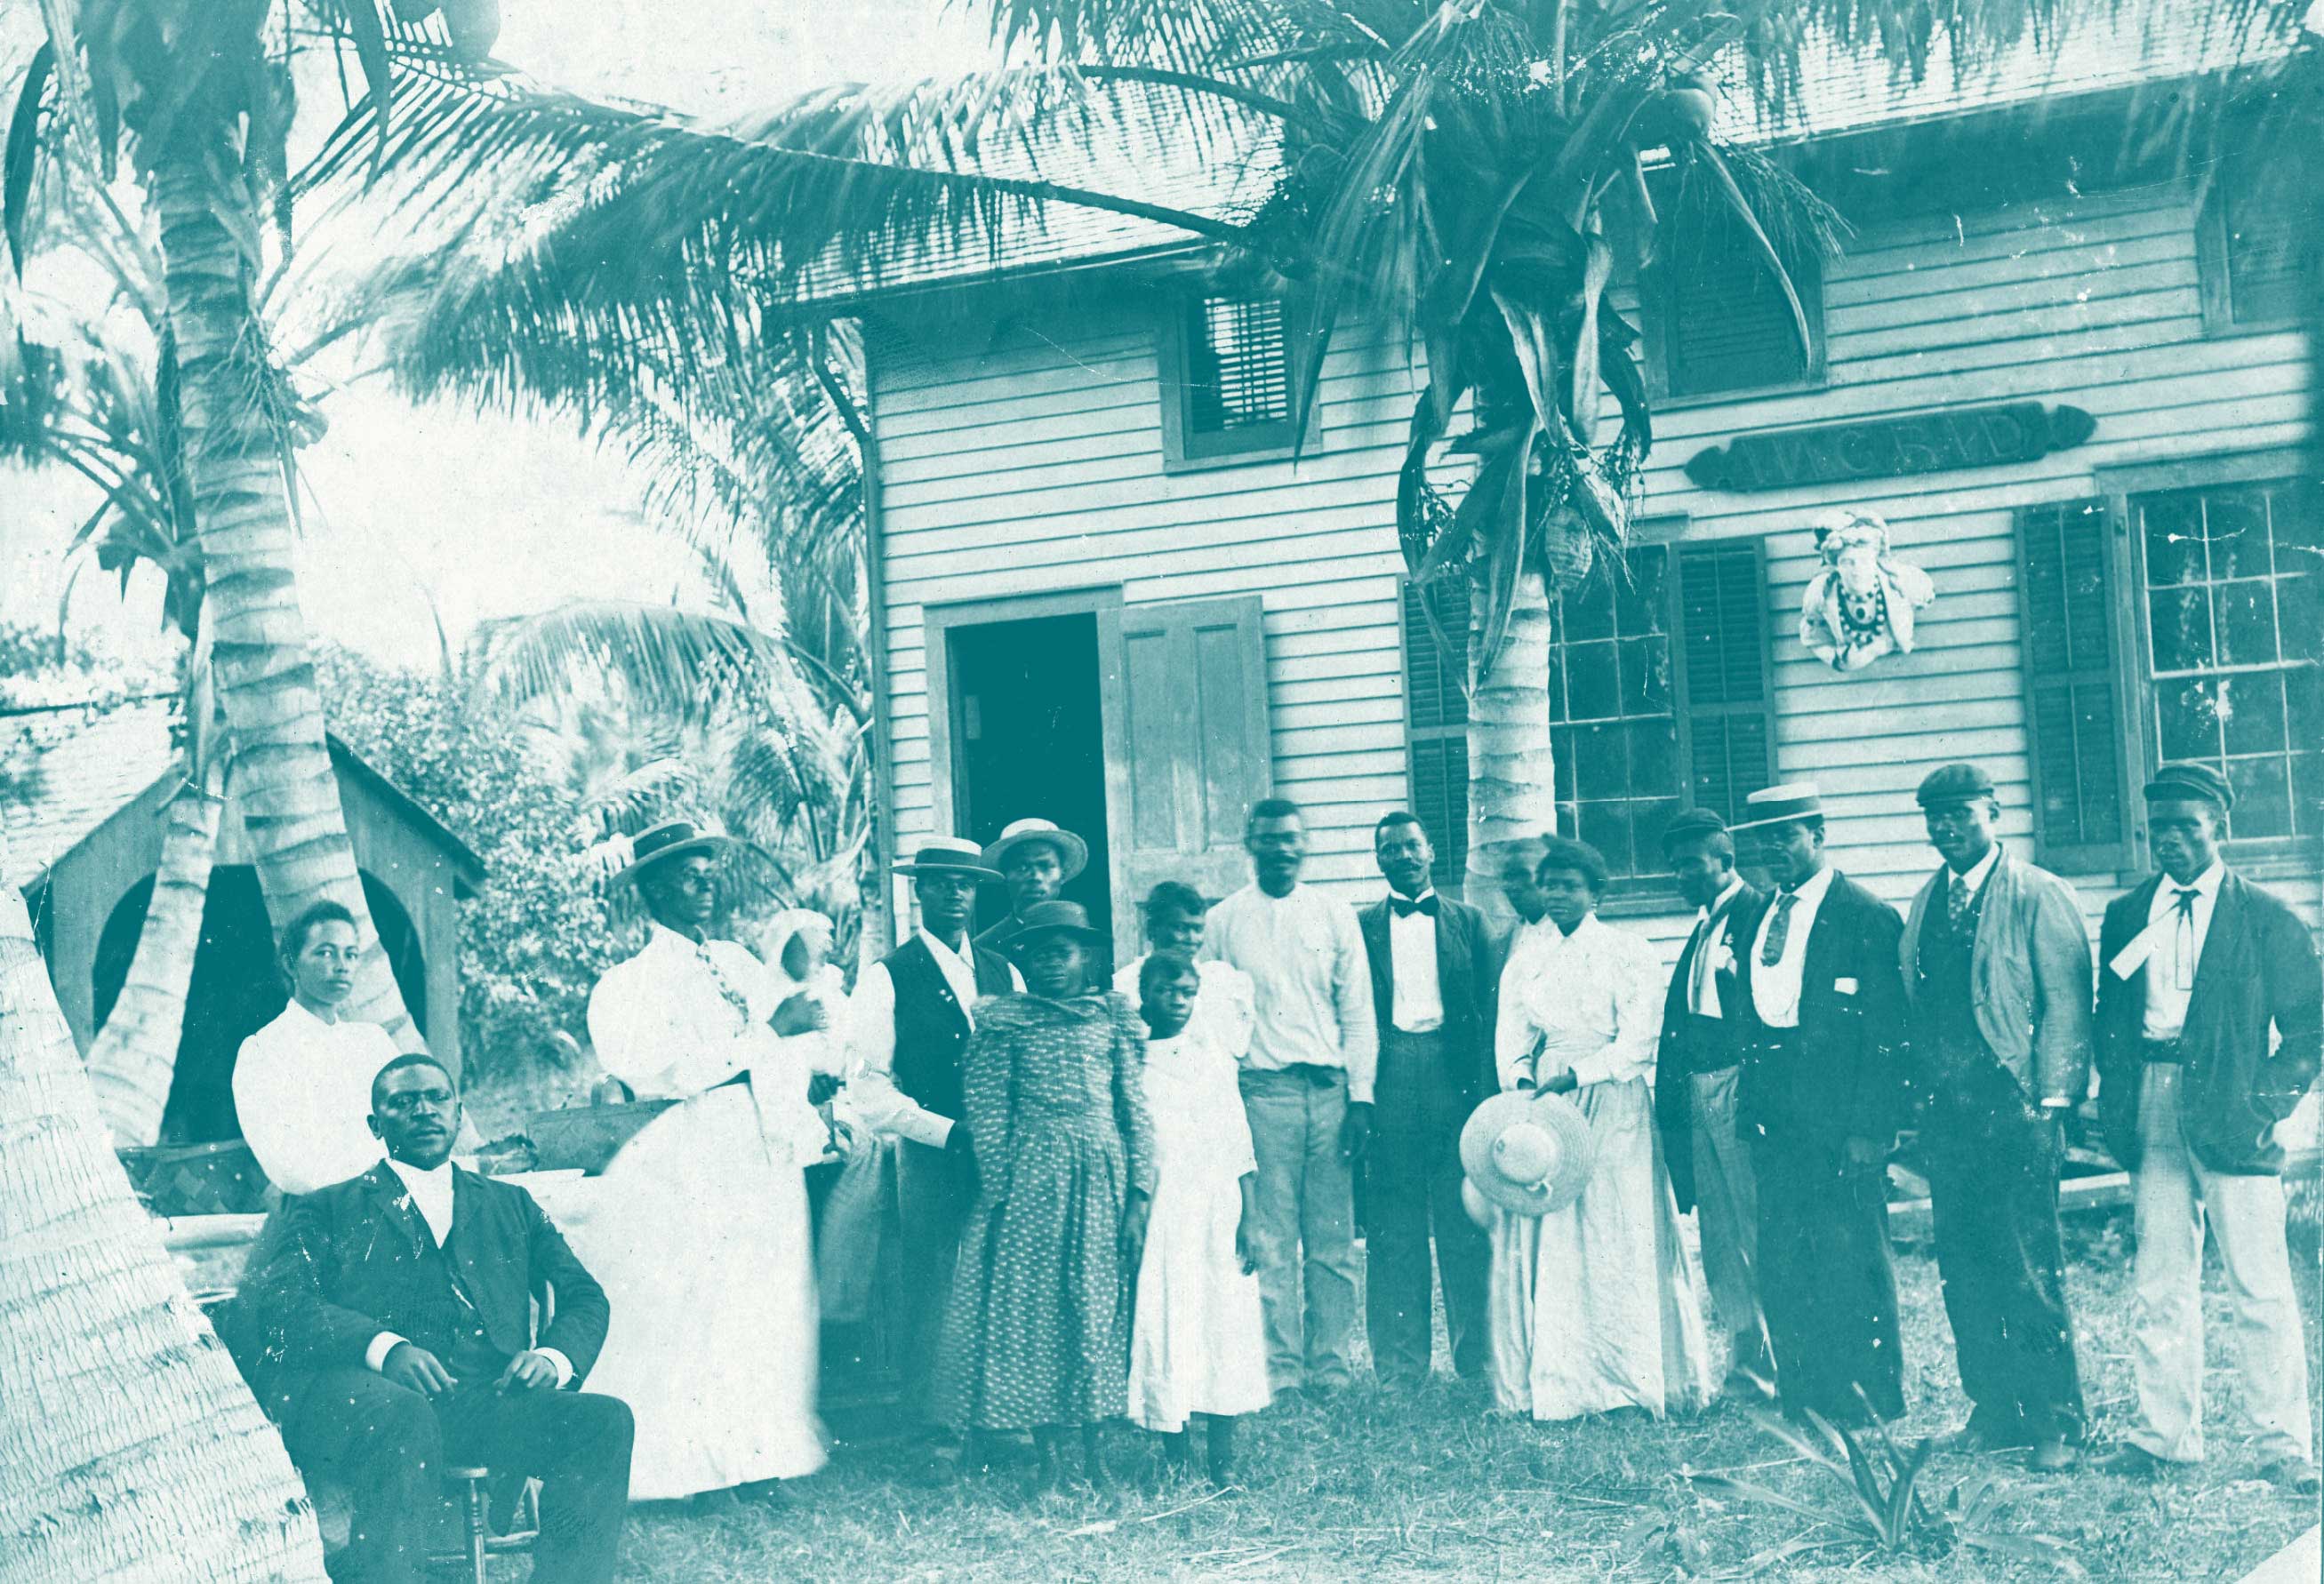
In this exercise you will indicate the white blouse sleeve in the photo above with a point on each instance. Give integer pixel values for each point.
(1516, 1040)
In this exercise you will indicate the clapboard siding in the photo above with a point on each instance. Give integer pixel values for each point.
(1034, 461)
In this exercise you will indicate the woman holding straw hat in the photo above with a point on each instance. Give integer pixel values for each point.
(1594, 1303)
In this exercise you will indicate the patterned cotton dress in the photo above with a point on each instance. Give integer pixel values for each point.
(1040, 1328)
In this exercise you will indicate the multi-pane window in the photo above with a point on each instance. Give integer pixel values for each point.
(1612, 709)
(1237, 371)
(2235, 628)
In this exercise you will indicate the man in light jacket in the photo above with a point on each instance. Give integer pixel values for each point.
(1996, 970)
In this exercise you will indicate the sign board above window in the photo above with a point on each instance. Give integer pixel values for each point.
(1891, 447)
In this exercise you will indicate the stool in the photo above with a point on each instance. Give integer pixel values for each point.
(478, 1541)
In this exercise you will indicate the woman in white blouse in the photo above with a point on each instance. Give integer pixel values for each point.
(303, 1084)
(1594, 1307)
(699, 1232)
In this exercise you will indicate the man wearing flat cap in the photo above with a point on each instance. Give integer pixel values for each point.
(1823, 1086)
(2210, 1015)
(1036, 859)
(910, 1020)
(1696, 1070)
(1996, 963)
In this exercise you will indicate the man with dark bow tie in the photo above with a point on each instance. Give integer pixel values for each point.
(395, 1312)
(1696, 1073)
(1435, 970)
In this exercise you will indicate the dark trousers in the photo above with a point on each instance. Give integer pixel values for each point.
(933, 1193)
(1412, 1187)
(1993, 1196)
(390, 1446)
(1827, 1281)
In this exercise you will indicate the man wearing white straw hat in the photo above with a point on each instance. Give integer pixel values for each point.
(1822, 1092)
(1036, 858)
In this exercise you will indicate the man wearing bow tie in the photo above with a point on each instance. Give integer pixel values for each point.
(1434, 973)
(1696, 1071)
(2196, 968)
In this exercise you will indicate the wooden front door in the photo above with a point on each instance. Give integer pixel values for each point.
(1187, 747)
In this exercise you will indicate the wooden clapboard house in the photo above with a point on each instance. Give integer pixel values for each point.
(2070, 379)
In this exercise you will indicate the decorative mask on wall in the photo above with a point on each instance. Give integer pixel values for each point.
(1861, 604)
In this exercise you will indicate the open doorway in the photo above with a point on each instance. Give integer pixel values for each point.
(1028, 741)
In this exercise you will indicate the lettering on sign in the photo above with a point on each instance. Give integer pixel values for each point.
(1888, 448)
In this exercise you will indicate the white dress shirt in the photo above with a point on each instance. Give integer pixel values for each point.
(1304, 953)
(431, 1194)
(871, 1045)
(2177, 949)
(1589, 1003)
(1715, 924)
(1417, 1005)
(1775, 986)
(302, 1096)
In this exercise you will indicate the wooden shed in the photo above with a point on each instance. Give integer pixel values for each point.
(84, 827)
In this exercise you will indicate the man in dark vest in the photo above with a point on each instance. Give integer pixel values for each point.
(1823, 1088)
(1996, 963)
(1696, 1072)
(2211, 1022)
(1436, 973)
(393, 1316)
(910, 1019)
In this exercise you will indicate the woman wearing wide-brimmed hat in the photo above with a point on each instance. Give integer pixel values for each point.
(700, 1230)
(1594, 1303)
(1038, 1335)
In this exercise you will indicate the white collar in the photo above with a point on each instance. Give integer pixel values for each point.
(423, 1180)
(1425, 892)
(1976, 874)
(2208, 883)
(299, 1007)
(1813, 889)
(1726, 895)
(962, 956)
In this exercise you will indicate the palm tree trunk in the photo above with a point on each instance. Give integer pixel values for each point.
(134, 1452)
(1511, 795)
(135, 1054)
(283, 785)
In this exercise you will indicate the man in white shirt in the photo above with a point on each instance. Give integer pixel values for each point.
(1307, 1085)
(303, 1084)
(2210, 1019)
(909, 1026)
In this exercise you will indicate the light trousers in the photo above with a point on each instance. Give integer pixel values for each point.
(2174, 1197)
(1727, 1213)
(1306, 1218)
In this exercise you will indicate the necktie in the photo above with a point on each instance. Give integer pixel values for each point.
(1779, 929)
(727, 989)
(2183, 943)
(1957, 901)
(1699, 978)
(1405, 907)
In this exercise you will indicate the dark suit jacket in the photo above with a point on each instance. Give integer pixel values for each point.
(1675, 1056)
(2259, 967)
(1846, 1074)
(348, 1262)
(1467, 976)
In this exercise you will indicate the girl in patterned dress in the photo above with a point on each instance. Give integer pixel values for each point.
(1038, 1335)
(1197, 1345)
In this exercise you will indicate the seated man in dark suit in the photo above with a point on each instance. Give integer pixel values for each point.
(398, 1341)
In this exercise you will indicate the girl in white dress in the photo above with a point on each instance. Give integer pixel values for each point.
(1197, 1345)
(1593, 1307)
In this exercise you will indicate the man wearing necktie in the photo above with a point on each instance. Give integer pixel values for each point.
(1436, 970)
(1696, 1071)
(1822, 1090)
(2196, 968)
(1995, 956)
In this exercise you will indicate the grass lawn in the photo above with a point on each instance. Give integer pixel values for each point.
(1381, 1487)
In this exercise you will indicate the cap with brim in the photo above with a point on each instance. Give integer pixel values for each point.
(1692, 824)
(672, 838)
(2180, 783)
(948, 855)
(1044, 919)
(1072, 853)
(1776, 805)
(1953, 783)
(1528, 1153)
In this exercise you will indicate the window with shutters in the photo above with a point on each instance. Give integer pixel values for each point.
(2251, 242)
(1436, 725)
(1227, 385)
(2074, 725)
(1717, 319)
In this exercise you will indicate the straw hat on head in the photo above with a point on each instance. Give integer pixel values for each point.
(1072, 853)
(1527, 1154)
(1049, 918)
(1776, 805)
(673, 838)
(948, 855)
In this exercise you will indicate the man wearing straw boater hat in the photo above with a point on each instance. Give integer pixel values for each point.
(1995, 956)
(911, 1021)
(1037, 859)
(2198, 967)
(1822, 1092)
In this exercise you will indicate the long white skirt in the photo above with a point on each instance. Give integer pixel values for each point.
(1596, 1306)
(700, 1239)
(1197, 1343)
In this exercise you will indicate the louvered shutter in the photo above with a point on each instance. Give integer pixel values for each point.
(1436, 728)
(1731, 718)
(1240, 364)
(1726, 324)
(2073, 718)
(2261, 212)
